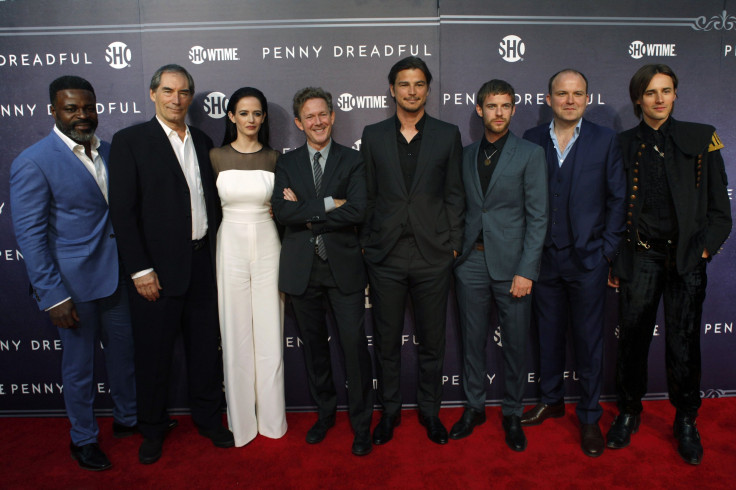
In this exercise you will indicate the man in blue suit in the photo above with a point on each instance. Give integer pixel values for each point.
(586, 221)
(58, 195)
(505, 224)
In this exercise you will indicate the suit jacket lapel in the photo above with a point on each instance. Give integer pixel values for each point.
(582, 145)
(425, 149)
(163, 152)
(472, 170)
(304, 167)
(333, 160)
(391, 148)
(74, 164)
(504, 160)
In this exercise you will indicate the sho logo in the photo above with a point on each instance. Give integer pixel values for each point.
(215, 105)
(118, 55)
(198, 54)
(638, 49)
(511, 48)
(347, 102)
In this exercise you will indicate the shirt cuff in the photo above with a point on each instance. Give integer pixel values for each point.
(57, 304)
(329, 204)
(141, 273)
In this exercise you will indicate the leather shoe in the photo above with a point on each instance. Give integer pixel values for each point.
(591, 440)
(384, 431)
(362, 443)
(150, 450)
(470, 418)
(542, 412)
(689, 447)
(515, 438)
(121, 431)
(90, 457)
(435, 430)
(619, 435)
(319, 430)
(220, 436)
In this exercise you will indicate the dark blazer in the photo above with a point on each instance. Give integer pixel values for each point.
(62, 224)
(512, 214)
(150, 204)
(597, 193)
(697, 179)
(344, 178)
(434, 203)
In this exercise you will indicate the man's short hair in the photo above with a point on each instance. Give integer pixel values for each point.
(495, 87)
(409, 63)
(172, 68)
(641, 79)
(68, 82)
(303, 95)
(566, 70)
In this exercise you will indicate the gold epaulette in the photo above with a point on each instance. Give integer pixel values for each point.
(715, 143)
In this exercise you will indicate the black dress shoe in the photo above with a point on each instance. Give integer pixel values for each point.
(384, 431)
(362, 443)
(542, 412)
(319, 430)
(121, 431)
(515, 438)
(470, 418)
(150, 450)
(689, 447)
(220, 436)
(90, 457)
(435, 430)
(619, 435)
(591, 440)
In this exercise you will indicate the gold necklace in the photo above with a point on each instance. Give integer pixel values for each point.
(487, 162)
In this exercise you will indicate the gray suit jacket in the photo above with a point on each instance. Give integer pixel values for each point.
(512, 214)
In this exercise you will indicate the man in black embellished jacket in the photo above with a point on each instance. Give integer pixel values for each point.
(678, 216)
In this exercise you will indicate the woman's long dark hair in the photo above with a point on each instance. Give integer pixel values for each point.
(231, 131)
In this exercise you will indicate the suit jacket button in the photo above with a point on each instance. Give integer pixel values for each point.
(311, 240)
(112, 235)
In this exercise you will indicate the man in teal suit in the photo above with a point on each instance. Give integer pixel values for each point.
(58, 196)
(505, 224)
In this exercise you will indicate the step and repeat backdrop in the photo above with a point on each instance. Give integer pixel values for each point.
(348, 47)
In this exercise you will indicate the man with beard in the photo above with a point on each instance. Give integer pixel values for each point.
(505, 224)
(58, 195)
(411, 236)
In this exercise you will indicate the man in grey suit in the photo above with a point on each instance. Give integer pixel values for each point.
(505, 224)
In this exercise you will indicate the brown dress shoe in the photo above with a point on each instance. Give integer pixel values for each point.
(542, 412)
(591, 440)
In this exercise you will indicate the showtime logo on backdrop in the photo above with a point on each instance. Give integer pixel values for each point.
(512, 48)
(638, 49)
(347, 102)
(215, 105)
(118, 55)
(198, 54)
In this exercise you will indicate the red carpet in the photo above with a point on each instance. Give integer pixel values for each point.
(35, 455)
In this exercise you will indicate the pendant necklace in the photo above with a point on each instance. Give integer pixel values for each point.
(487, 162)
(661, 153)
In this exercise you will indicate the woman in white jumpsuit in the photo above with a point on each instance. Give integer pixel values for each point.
(248, 246)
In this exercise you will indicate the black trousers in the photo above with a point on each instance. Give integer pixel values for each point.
(655, 276)
(156, 324)
(349, 311)
(404, 271)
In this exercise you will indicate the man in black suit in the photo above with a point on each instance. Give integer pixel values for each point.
(165, 212)
(319, 196)
(412, 233)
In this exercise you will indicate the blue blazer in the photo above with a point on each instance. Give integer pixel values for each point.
(598, 190)
(62, 224)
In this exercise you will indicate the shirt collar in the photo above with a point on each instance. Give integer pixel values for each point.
(73, 145)
(419, 126)
(168, 130)
(577, 128)
(498, 144)
(323, 152)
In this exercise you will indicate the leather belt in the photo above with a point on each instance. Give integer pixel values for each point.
(646, 242)
(199, 244)
(479, 246)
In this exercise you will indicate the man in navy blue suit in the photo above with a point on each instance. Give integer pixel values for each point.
(586, 221)
(58, 195)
